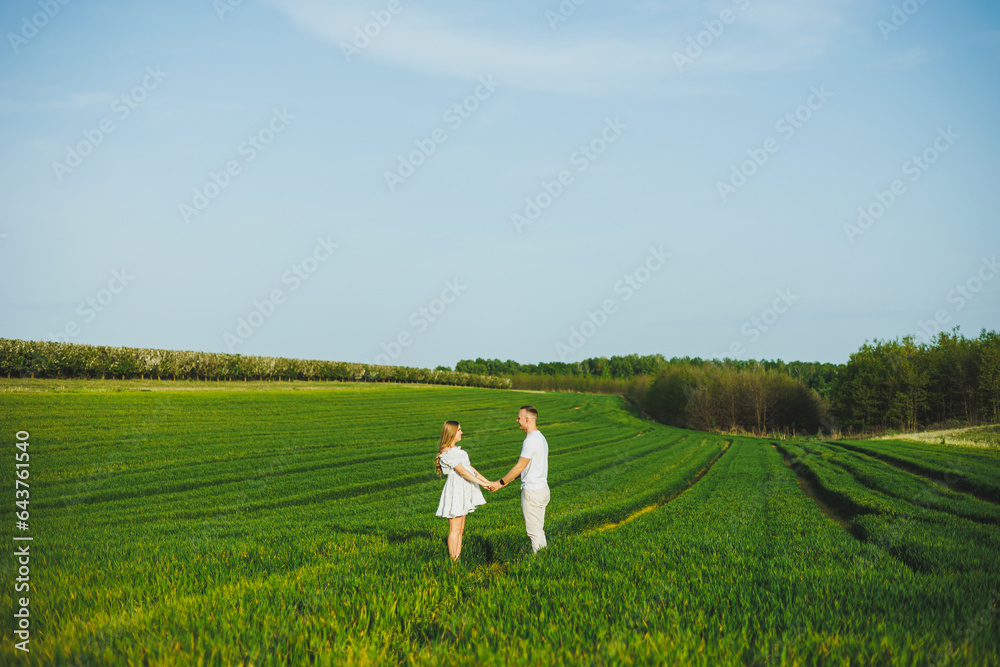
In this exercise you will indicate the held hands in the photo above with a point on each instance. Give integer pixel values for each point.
(492, 486)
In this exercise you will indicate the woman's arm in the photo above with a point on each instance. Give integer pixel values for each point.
(475, 479)
(479, 475)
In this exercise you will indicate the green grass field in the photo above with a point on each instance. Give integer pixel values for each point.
(293, 524)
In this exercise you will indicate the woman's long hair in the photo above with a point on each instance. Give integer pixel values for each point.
(448, 432)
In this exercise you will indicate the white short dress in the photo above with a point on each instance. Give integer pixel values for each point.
(459, 496)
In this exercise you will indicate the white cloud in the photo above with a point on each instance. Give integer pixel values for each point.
(588, 56)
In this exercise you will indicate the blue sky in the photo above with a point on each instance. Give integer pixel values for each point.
(418, 183)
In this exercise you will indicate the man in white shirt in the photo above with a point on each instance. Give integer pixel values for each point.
(533, 467)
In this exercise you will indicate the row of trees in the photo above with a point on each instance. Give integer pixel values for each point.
(727, 395)
(42, 359)
(897, 384)
(615, 368)
(901, 384)
(814, 375)
(631, 387)
(717, 397)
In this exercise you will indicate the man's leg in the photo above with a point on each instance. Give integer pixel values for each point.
(533, 505)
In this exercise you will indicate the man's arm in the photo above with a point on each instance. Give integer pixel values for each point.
(521, 464)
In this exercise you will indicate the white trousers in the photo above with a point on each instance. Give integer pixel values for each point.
(533, 503)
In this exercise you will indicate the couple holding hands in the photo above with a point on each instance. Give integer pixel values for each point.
(461, 493)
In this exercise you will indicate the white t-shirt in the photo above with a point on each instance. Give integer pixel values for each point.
(536, 474)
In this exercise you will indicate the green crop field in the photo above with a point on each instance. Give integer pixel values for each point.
(293, 524)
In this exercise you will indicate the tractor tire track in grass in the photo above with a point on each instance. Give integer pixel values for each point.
(339, 493)
(429, 492)
(590, 466)
(649, 508)
(355, 491)
(125, 489)
(835, 507)
(157, 488)
(924, 539)
(949, 479)
(913, 489)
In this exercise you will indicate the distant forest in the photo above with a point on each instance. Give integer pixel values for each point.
(899, 385)
(815, 375)
(46, 359)
(885, 385)
(904, 385)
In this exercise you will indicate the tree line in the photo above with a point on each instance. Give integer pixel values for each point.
(690, 392)
(615, 368)
(42, 359)
(716, 397)
(900, 384)
(815, 375)
(885, 385)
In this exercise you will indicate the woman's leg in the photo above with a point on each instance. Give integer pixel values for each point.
(461, 530)
(455, 527)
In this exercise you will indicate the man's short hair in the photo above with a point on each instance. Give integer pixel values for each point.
(530, 410)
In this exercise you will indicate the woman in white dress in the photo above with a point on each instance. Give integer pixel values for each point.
(461, 493)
